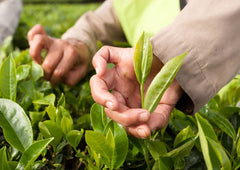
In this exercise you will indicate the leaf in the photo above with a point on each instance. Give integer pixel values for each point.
(51, 111)
(238, 143)
(220, 154)
(98, 142)
(183, 135)
(23, 72)
(3, 159)
(16, 125)
(66, 124)
(8, 79)
(183, 150)
(47, 100)
(37, 71)
(61, 101)
(98, 117)
(50, 129)
(161, 82)
(32, 153)
(74, 137)
(157, 149)
(205, 129)
(143, 58)
(221, 122)
(36, 117)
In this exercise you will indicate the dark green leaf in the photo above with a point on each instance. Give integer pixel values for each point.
(8, 79)
(16, 126)
(32, 153)
(161, 82)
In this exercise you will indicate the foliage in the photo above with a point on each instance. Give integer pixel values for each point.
(44, 127)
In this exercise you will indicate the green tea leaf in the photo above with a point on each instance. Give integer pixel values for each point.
(36, 117)
(32, 153)
(50, 129)
(205, 130)
(183, 150)
(23, 72)
(8, 79)
(161, 82)
(74, 137)
(222, 122)
(61, 101)
(98, 142)
(238, 143)
(98, 117)
(66, 124)
(183, 135)
(220, 154)
(47, 100)
(52, 112)
(3, 159)
(157, 149)
(16, 125)
(37, 71)
(143, 58)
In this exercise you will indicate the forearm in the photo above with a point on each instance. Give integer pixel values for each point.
(102, 25)
(207, 30)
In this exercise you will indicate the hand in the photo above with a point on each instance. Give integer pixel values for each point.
(67, 61)
(123, 105)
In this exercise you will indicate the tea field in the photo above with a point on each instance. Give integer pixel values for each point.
(47, 128)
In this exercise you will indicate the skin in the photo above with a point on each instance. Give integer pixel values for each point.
(123, 104)
(67, 61)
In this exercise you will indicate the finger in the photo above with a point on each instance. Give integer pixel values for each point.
(159, 118)
(76, 74)
(106, 54)
(37, 29)
(128, 117)
(101, 94)
(67, 62)
(50, 63)
(139, 131)
(120, 97)
(38, 43)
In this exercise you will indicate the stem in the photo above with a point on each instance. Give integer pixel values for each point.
(142, 95)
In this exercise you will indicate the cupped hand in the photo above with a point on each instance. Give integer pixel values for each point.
(123, 103)
(66, 61)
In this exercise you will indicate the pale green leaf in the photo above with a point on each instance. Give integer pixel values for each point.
(98, 117)
(74, 137)
(23, 72)
(66, 124)
(161, 82)
(3, 159)
(8, 79)
(157, 149)
(16, 125)
(47, 100)
(186, 133)
(37, 71)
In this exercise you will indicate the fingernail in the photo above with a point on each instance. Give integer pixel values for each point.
(109, 105)
(143, 117)
(97, 70)
(141, 133)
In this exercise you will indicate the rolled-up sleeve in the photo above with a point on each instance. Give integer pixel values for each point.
(209, 30)
(102, 25)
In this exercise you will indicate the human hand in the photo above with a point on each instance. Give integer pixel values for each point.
(123, 105)
(67, 61)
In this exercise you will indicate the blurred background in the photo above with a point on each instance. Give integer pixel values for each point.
(55, 15)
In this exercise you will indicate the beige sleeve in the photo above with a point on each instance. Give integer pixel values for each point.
(209, 30)
(102, 25)
(10, 13)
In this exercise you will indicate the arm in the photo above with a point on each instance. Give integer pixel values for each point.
(208, 30)
(68, 59)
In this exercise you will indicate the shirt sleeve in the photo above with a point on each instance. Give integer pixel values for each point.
(10, 13)
(208, 30)
(102, 25)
